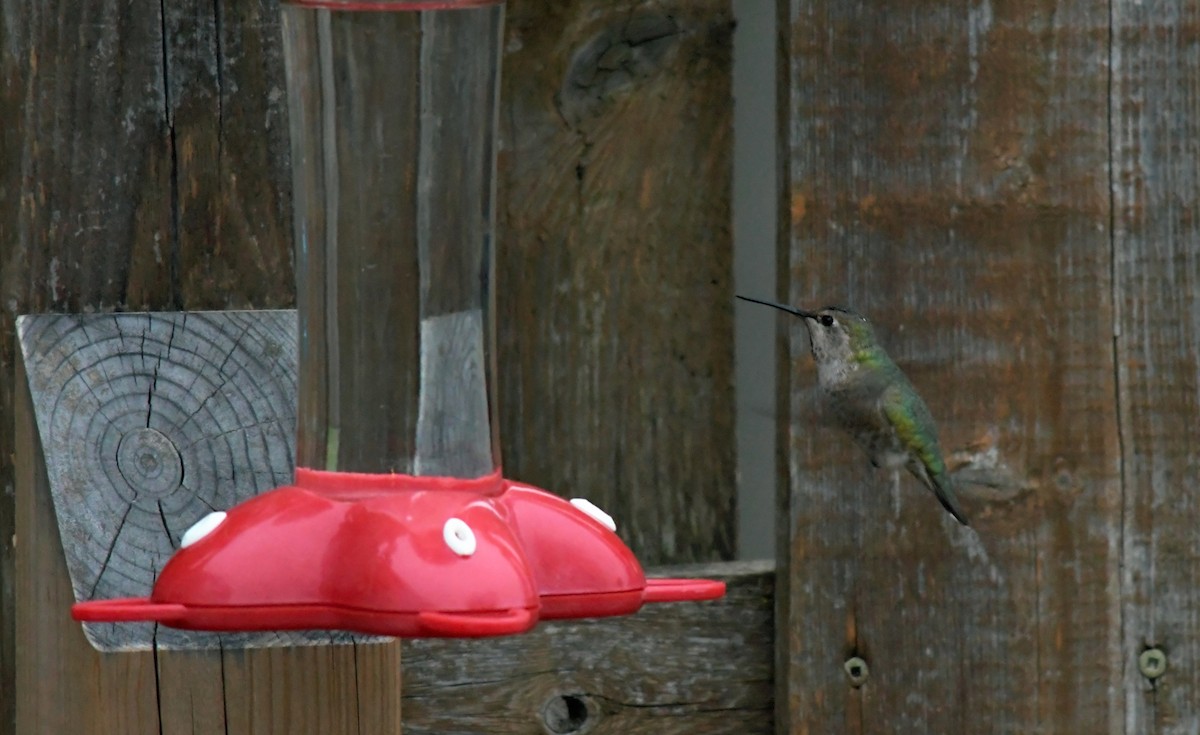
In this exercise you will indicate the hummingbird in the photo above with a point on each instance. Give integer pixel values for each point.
(868, 396)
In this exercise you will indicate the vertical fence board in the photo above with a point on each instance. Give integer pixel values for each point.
(230, 177)
(195, 683)
(305, 690)
(1156, 143)
(615, 272)
(946, 175)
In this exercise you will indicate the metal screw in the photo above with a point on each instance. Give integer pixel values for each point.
(856, 670)
(1152, 663)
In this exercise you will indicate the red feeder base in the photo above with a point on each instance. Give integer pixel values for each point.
(398, 555)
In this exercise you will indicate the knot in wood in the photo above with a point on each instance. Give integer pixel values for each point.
(566, 714)
(619, 57)
(149, 462)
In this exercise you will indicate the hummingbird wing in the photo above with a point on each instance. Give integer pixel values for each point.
(913, 424)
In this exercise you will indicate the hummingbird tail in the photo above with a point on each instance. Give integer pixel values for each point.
(943, 488)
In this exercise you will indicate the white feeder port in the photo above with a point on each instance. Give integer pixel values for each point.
(202, 528)
(594, 511)
(459, 537)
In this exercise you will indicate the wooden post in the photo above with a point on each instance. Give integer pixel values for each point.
(129, 178)
(83, 688)
(947, 176)
(136, 425)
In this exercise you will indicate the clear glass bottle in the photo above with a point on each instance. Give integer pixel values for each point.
(393, 126)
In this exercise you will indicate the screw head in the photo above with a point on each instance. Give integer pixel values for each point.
(856, 670)
(1152, 663)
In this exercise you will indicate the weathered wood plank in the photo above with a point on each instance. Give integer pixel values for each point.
(946, 176)
(64, 681)
(224, 106)
(195, 684)
(694, 668)
(615, 341)
(151, 421)
(65, 685)
(310, 691)
(1155, 146)
(454, 435)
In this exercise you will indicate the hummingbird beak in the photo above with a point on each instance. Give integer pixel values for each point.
(781, 307)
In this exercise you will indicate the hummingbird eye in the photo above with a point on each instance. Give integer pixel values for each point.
(825, 320)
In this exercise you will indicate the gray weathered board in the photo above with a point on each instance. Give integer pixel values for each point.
(691, 668)
(1009, 190)
(148, 422)
(947, 177)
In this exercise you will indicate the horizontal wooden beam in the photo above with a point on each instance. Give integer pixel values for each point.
(693, 668)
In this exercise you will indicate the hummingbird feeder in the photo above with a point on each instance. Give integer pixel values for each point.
(399, 521)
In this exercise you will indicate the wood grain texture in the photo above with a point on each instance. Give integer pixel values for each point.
(314, 690)
(686, 668)
(224, 107)
(1156, 141)
(947, 177)
(66, 685)
(614, 273)
(196, 681)
(454, 435)
(150, 421)
(82, 162)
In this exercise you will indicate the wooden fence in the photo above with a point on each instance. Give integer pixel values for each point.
(1007, 188)
(144, 165)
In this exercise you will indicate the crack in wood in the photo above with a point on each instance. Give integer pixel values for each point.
(162, 515)
(226, 694)
(150, 396)
(108, 557)
(158, 688)
(235, 430)
(174, 276)
(219, 66)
